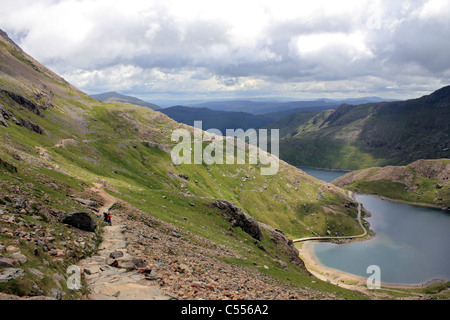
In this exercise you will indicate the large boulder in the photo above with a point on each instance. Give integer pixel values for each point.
(11, 274)
(6, 262)
(254, 228)
(239, 219)
(80, 220)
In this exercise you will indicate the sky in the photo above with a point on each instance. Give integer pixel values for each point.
(208, 49)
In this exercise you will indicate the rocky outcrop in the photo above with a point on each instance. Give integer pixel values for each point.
(239, 219)
(254, 228)
(8, 115)
(31, 126)
(8, 166)
(86, 202)
(11, 274)
(30, 105)
(4, 115)
(285, 245)
(432, 169)
(80, 220)
(6, 262)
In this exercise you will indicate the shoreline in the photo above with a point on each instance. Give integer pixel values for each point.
(344, 279)
(418, 204)
(332, 170)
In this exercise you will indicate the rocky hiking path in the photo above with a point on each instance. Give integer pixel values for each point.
(114, 274)
(142, 257)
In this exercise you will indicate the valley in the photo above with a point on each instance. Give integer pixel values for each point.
(205, 231)
(57, 143)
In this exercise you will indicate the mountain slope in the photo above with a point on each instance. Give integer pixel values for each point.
(57, 142)
(117, 97)
(376, 134)
(423, 182)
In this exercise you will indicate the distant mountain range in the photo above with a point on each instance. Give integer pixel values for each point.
(117, 97)
(374, 134)
(265, 107)
(236, 114)
(221, 120)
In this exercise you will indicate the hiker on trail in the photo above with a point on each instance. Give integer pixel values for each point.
(107, 217)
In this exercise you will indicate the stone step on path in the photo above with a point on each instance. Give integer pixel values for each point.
(112, 274)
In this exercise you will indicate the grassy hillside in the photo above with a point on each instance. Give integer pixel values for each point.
(424, 182)
(57, 142)
(375, 134)
(290, 125)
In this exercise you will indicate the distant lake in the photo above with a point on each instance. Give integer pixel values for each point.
(322, 174)
(411, 245)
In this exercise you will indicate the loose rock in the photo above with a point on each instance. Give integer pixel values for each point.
(11, 274)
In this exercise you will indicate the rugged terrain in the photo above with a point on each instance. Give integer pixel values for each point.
(375, 134)
(423, 182)
(216, 231)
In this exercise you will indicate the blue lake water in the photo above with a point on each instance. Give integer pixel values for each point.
(324, 175)
(411, 245)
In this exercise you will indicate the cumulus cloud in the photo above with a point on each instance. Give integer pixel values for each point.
(322, 48)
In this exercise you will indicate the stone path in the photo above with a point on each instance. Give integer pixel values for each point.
(339, 238)
(114, 274)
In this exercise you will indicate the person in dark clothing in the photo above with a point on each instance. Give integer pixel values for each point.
(107, 217)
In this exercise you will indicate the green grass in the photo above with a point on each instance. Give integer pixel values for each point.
(114, 144)
(420, 191)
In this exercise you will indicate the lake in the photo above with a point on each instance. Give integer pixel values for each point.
(324, 175)
(411, 244)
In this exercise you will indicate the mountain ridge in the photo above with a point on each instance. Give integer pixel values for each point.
(113, 96)
(374, 134)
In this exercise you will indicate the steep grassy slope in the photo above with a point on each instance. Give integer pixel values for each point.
(290, 125)
(423, 182)
(376, 134)
(57, 141)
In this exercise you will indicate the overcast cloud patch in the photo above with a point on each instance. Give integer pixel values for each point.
(388, 48)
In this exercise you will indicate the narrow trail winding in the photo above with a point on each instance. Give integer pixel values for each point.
(114, 274)
(342, 237)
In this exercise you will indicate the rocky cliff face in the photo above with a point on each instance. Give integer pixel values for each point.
(238, 218)
(254, 228)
